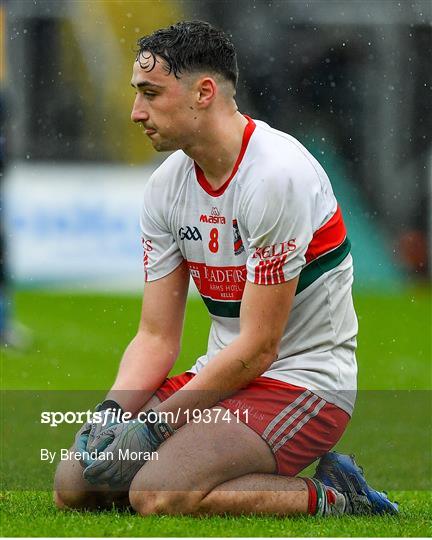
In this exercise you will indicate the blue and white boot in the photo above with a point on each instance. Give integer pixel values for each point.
(341, 472)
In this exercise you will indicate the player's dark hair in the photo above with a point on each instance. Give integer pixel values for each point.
(190, 46)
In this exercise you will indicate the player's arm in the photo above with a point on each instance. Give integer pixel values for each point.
(263, 317)
(152, 352)
(148, 358)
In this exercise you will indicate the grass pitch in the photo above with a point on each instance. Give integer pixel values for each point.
(80, 338)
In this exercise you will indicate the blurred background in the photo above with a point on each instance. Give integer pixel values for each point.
(350, 79)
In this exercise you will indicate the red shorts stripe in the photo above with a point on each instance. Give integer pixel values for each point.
(291, 418)
(298, 425)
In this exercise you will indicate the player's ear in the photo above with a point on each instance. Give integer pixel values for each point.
(206, 91)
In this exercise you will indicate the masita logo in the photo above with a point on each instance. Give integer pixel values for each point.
(214, 217)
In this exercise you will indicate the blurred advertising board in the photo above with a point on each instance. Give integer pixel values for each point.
(74, 225)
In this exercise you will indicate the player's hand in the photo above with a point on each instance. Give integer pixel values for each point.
(110, 411)
(81, 439)
(137, 438)
(90, 430)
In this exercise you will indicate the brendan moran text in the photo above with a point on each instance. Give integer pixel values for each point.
(121, 454)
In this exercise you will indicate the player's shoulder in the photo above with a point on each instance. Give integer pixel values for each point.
(277, 160)
(278, 163)
(167, 180)
(281, 172)
(276, 151)
(172, 170)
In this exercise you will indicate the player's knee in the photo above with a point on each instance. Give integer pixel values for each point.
(68, 499)
(58, 501)
(148, 503)
(143, 502)
(70, 491)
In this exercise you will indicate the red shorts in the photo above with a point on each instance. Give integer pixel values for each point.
(298, 426)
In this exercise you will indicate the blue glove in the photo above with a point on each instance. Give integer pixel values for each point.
(89, 431)
(82, 437)
(130, 443)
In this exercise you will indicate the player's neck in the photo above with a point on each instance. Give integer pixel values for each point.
(218, 147)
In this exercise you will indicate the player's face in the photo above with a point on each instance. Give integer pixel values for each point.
(162, 105)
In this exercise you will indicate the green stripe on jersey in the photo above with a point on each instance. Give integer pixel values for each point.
(323, 264)
(222, 309)
(308, 275)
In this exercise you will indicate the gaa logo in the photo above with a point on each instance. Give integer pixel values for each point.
(189, 233)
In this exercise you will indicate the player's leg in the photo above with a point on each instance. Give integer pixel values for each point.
(338, 481)
(216, 469)
(227, 467)
(192, 463)
(71, 490)
(266, 494)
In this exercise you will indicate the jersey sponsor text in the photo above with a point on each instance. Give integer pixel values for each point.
(219, 282)
(275, 250)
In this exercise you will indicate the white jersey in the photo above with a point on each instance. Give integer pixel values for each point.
(274, 219)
